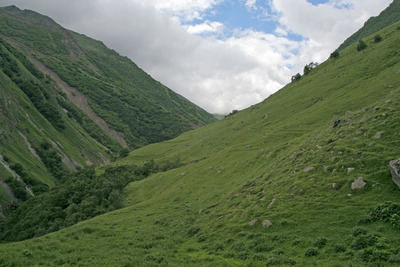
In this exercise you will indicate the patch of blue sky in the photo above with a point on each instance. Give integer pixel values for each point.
(295, 37)
(317, 2)
(340, 4)
(235, 15)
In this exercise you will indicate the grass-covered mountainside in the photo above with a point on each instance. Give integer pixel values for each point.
(67, 101)
(269, 185)
(140, 109)
(387, 17)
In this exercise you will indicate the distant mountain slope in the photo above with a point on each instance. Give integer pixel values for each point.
(67, 101)
(387, 17)
(129, 101)
(272, 185)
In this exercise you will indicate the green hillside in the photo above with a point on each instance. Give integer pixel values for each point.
(270, 185)
(67, 101)
(387, 17)
(140, 109)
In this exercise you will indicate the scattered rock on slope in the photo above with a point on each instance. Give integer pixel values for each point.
(253, 222)
(266, 223)
(308, 169)
(395, 169)
(358, 184)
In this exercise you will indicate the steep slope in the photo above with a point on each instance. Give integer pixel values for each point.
(387, 17)
(39, 142)
(67, 101)
(127, 99)
(268, 185)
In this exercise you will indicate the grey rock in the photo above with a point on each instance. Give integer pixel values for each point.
(272, 203)
(359, 183)
(349, 170)
(395, 170)
(308, 169)
(378, 135)
(266, 223)
(253, 222)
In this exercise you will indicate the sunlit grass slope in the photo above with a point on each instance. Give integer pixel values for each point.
(290, 160)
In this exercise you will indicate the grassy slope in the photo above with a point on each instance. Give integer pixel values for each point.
(199, 214)
(387, 17)
(20, 118)
(128, 99)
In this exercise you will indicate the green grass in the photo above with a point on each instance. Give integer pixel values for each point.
(199, 214)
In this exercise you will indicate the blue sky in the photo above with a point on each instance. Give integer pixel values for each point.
(220, 54)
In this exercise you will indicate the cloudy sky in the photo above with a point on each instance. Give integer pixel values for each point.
(220, 54)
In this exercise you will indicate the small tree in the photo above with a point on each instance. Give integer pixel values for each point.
(377, 38)
(306, 70)
(334, 55)
(361, 45)
(296, 77)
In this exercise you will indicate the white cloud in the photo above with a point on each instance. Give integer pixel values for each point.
(326, 24)
(187, 10)
(217, 74)
(251, 3)
(205, 27)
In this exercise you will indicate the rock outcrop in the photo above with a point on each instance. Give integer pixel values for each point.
(395, 169)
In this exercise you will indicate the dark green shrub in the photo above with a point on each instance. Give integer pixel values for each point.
(377, 38)
(311, 252)
(306, 70)
(296, 77)
(372, 254)
(385, 212)
(334, 55)
(320, 242)
(26, 253)
(339, 248)
(364, 241)
(395, 220)
(361, 45)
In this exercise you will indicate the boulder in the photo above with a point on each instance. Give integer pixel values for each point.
(395, 170)
(266, 223)
(378, 135)
(359, 183)
(253, 222)
(308, 169)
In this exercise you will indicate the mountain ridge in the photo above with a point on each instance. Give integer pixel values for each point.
(387, 17)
